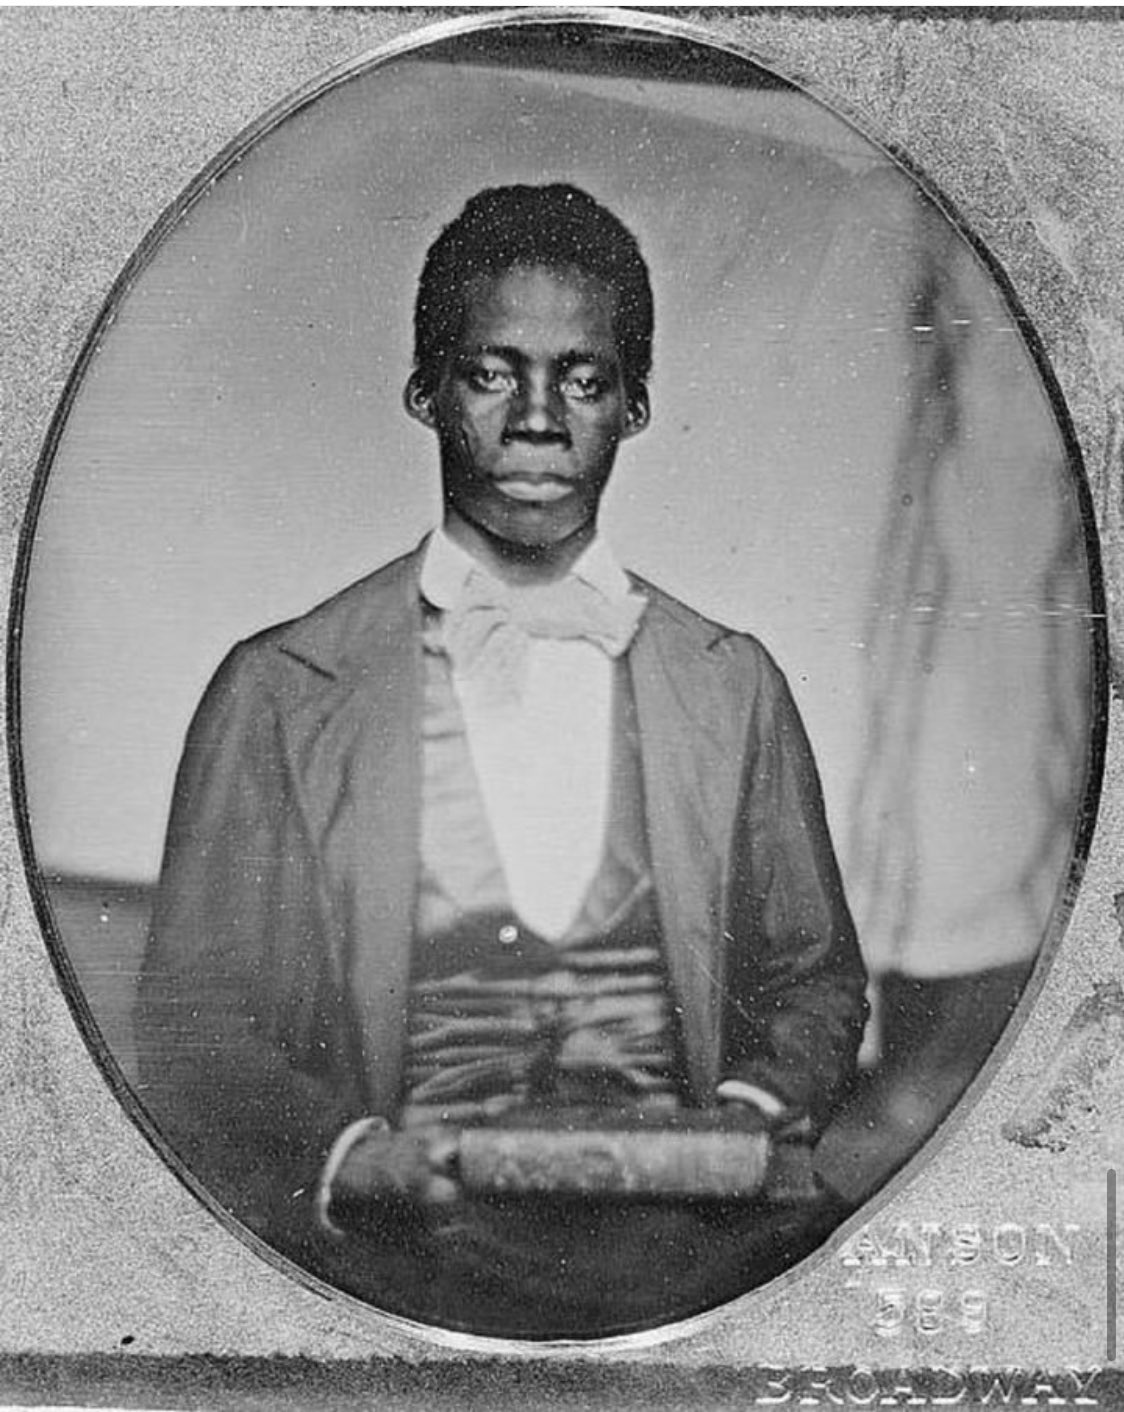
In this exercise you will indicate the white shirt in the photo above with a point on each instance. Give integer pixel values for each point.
(542, 758)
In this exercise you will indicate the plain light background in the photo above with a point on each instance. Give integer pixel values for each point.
(851, 455)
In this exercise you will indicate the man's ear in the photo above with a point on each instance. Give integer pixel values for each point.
(638, 411)
(418, 401)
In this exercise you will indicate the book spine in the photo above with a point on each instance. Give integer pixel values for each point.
(731, 1165)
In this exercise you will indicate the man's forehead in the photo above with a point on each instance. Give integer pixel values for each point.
(538, 297)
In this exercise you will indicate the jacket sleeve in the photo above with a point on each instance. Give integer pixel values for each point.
(241, 1018)
(795, 981)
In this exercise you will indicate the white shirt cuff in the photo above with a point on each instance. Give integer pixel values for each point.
(336, 1157)
(740, 1092)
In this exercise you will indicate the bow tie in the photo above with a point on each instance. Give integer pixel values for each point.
(488, 630)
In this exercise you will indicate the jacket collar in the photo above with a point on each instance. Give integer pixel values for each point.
(348, 637)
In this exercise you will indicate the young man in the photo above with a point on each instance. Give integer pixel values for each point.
(501, 830)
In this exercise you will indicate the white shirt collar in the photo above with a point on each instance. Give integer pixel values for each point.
(446, 568)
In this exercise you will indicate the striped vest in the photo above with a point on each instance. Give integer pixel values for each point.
(502, 1019)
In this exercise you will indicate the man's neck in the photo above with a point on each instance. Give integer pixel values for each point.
(519, 565)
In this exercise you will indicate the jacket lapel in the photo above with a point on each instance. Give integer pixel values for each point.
(361, 773)
(385, 852)
(691, 749)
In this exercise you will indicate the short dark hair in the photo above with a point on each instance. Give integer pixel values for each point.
(557, 227)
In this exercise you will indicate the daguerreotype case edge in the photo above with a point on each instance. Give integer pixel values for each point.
(985, 1271)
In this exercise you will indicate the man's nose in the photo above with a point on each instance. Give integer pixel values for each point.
(538, 408)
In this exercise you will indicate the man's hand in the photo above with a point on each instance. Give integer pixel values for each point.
(417, 1166)
(791, 1177)
(747, 1108)
(741, 1117)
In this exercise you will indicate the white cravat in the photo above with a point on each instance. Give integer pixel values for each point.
(542, 750)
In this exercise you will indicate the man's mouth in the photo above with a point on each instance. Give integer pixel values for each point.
(535, 489)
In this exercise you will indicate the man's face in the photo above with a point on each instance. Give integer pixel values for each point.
(529, 411)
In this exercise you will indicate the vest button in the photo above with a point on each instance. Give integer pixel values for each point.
(508, 935)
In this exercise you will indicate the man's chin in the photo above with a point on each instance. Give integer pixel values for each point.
(528, 531)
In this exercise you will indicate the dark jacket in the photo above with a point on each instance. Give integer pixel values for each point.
(271, 1008)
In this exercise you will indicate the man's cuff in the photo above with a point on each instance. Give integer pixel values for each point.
(335, 1160)
(738, 1091)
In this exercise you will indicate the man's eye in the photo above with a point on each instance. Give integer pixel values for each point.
(584, 387)
(485, 379)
